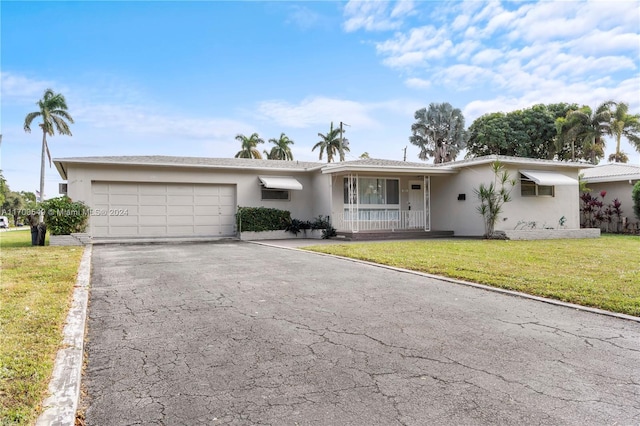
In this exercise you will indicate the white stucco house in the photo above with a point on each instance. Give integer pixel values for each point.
(142, 196)
(617, 180)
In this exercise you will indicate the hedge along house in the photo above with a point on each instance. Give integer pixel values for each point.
(618, 181)
(155, 196)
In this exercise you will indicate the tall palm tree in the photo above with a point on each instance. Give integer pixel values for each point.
(52, 108)
(587, 128)
(439, 132)
(624, 124)
(333, 143)
(249, 146)
(281, 149)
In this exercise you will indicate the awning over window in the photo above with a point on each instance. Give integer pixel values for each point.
(280, 182)
(548, 178)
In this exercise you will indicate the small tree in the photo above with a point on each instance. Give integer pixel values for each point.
(493, 196)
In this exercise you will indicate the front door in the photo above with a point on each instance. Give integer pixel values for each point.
(416, 204)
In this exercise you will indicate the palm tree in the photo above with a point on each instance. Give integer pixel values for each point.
(623, 124)
(333, 143)
(439, 132)
(53, 111)
(588, 128)
(281, 149)
(249, 145)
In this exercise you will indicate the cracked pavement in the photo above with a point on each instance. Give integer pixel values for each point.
(245, 334)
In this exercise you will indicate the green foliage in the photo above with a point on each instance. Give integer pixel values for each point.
(627, 125)
(297, 225)
(635, 196)
(439, 132)
(281, 149)
(35, 290)
(259, 219)
(328, 231)
(249, 146)
(493, 196)
(582, 184)
(321, 222)
(529, 132)
(583, 129)
(4, 189)
(333, 143)
(64, 216)
(52, 109)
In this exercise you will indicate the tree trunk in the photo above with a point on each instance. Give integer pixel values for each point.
(44, 145)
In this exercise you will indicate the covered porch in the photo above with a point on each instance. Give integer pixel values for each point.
(382, 199)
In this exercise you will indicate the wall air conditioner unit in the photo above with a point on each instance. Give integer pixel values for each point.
(62, 188)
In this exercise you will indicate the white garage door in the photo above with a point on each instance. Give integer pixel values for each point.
(162, 209)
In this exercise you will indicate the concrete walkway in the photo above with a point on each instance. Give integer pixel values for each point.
(239, 333)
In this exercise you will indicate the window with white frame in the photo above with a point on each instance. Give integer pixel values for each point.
(372, 191)
(378, 199)
(528, 188)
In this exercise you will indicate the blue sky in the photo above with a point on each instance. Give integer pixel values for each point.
(183, 78)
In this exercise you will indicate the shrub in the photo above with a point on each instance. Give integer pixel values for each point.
(493, 196)
(328, 231)
(64, 216)
(595, 213)
(297, 225)
(259, 219)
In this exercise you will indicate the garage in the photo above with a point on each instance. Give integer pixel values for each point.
(143, 209)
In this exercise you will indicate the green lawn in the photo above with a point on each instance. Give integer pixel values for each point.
(36, 287)
(602, 272)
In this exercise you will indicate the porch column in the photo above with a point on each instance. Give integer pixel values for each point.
(427, 202)
(352, 190)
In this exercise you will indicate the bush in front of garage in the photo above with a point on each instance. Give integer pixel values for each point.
(64, 216)
(258, 219)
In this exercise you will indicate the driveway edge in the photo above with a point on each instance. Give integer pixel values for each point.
(470, 284)
(64, 388)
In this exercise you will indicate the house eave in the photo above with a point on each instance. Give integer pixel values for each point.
(518, 161)
(61, 162)
(619, 178)
(386, 169)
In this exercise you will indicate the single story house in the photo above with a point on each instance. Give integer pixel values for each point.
(142, 196)
(617, 180)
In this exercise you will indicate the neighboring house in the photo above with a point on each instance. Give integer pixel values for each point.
(185, 196)
(617, 180)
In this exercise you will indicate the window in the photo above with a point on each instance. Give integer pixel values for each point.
(373, 191)
(528, 188)
(275, 194)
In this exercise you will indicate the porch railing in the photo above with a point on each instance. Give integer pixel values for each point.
(372, 220)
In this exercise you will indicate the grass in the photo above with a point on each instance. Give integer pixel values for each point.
(36, 287)
(602, 272)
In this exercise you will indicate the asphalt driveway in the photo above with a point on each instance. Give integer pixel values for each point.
(239, 333)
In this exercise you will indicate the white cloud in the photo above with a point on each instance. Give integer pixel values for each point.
(487, 57)
(314, 111)
(463, 77)
(415, 48)
(141, 120)
(20, 89)
(373, 15)
(520, 53)
(305, 18)
(417, 83)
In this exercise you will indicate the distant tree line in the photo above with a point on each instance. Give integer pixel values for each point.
(553, 132)
(15, 204)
